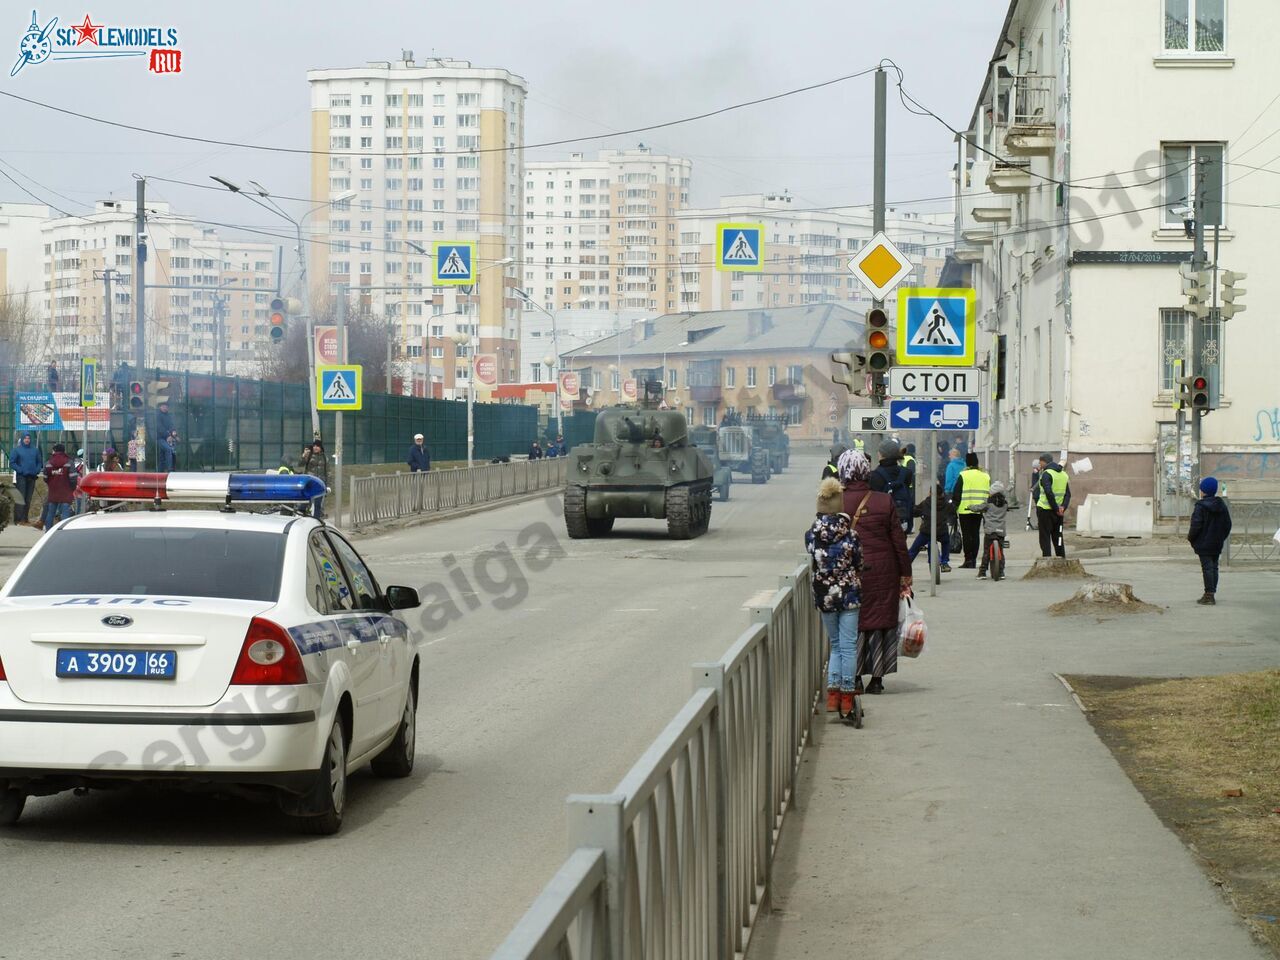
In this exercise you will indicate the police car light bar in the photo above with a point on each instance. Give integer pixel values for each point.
(203, 487)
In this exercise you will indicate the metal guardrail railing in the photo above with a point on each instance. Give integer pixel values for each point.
(1253, 527)
(675, 861)
(395, 495)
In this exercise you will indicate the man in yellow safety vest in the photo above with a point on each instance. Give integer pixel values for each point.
(972, 487)
(1053, 496)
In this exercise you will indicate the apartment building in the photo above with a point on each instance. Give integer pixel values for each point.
(600, 234)
(410, 154)
(195, 281)
(806, 252)
(1072, 207)
(20, 261)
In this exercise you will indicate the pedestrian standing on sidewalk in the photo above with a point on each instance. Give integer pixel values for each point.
(1053, 496)
(971, 489)
(924, 510)
(316, 463)
(832, 544)
(994, 511)
(1210, 527)
(891, 477)
(419, 459)
(954, 465)
(61, 487)
(27, 461)
(886, 574)
(830, 469)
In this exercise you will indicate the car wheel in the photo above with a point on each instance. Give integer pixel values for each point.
(331, 786)
(11, 804)
(397, 759)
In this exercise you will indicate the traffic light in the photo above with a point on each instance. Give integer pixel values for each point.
(137, 396)
(851, 376)
(1200, 399)
(278, 306)
(1197, 287)
(157, 392)
(1182, 386)
(1230, 294)
(878, 356)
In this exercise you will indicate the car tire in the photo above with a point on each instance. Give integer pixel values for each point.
(11, 804)
(397, 759)
(331, 786)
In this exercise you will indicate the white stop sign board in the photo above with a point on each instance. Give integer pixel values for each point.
(938, 383)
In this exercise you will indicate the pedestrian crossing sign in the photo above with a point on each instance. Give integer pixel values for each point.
(740, 246)
(937, 327)
(453, 264)
(339, 387)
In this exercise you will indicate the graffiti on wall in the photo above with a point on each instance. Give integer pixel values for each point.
(1267, 425)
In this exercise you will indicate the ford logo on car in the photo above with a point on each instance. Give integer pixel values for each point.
(117, 620)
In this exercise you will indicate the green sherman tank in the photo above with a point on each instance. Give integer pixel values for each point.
(707, 440)
(640, 464)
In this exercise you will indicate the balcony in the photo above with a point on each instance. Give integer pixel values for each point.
(785, 391)
(1033, 131)
(1009, 176)
(705, 393)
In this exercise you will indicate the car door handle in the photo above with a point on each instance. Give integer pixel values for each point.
(353, 644)
(384, 638)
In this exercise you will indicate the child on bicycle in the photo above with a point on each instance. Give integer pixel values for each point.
(995, 511)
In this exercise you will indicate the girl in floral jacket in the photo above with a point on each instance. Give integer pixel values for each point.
(837, 560)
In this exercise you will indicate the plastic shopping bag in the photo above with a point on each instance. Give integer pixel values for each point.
(912, 630)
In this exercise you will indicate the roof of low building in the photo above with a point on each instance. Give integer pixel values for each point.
(818, 327)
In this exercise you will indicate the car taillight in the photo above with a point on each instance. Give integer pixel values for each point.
(268, 656)
(2, 676)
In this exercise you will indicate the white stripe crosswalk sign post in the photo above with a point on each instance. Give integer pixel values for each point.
(453, 263)
(740, 247)
(339, 387)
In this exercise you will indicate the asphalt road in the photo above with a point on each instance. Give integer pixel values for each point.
(565, 660)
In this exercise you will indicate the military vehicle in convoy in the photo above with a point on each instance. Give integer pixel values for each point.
(640, 463)
(742, 453)
(770, 432)
(707, 440)
(10, 497)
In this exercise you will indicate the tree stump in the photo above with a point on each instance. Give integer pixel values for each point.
(1103, 597)
(1056, 568)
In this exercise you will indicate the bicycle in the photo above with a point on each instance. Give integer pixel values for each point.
(995, 557)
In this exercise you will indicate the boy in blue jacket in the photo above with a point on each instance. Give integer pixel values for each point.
(1210, 527)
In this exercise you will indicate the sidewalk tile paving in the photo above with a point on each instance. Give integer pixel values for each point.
(977, 815)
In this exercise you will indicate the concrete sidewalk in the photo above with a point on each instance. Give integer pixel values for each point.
(977, 815)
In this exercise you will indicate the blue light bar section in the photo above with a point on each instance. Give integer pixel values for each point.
(275, 487)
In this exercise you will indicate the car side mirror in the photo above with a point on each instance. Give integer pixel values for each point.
(402, 598)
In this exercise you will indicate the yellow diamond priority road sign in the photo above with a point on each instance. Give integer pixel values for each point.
(880, 266)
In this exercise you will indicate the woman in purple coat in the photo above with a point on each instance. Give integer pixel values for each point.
(886, 575)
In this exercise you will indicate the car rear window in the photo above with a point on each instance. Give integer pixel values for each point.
(156, 561)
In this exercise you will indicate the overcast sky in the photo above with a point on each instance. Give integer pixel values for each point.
(591, 68)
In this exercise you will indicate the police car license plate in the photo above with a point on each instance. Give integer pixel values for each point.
(130, 664)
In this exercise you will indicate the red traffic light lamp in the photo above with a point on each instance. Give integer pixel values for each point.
(137, 396)
(1199, 393)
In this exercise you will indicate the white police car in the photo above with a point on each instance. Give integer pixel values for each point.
(217, 649)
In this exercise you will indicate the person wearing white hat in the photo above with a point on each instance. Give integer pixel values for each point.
(419, 456)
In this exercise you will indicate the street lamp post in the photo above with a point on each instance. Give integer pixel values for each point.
(552, 365)
(468, 338)
(555, 345)
(264, 199)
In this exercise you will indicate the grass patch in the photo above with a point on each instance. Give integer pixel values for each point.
(1205, 752)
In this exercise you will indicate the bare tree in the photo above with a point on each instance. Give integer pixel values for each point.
(23, 339)
(286, 361)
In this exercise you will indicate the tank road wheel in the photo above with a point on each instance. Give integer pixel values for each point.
(575, 513)
(599, 527)
(679, 514)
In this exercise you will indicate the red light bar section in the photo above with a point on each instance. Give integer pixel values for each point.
(125, 486)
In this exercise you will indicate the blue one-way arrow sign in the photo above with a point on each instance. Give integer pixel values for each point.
(933, 414)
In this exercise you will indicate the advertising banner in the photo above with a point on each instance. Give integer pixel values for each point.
(61, 411)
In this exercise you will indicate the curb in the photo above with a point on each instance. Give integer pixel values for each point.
(391, 526)
(1074, 696)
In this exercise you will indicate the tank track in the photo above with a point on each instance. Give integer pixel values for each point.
(688, 511)
(575, 513)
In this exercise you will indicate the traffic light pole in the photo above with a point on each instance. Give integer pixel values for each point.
(1197, 325)
(878, 202)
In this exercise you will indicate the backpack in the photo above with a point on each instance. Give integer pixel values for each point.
(896, 487)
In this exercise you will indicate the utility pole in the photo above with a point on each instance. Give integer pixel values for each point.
(108, 333)
(219, 332)
(140, 278)
(878, 385)
(1199, 259)
(337, 415)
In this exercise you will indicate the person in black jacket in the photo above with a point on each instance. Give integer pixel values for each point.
(899, 482)
(1210, 527)
(419, 458)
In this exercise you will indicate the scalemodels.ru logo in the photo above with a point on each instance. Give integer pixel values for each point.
(89, 40)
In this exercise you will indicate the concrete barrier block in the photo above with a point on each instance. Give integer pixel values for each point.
(1108, 515)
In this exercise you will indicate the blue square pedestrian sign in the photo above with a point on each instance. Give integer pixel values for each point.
(453, 264)
(740, 246)
(937, 327)
(340, 387)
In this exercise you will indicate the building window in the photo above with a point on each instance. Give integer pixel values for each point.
(671, 378)
(773, 376)
(1195, 26)
(1182, 163)
(1175, 344)
(795, 413)
(709, 416)
(730, 376)
(615, 381)
(751, 376)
